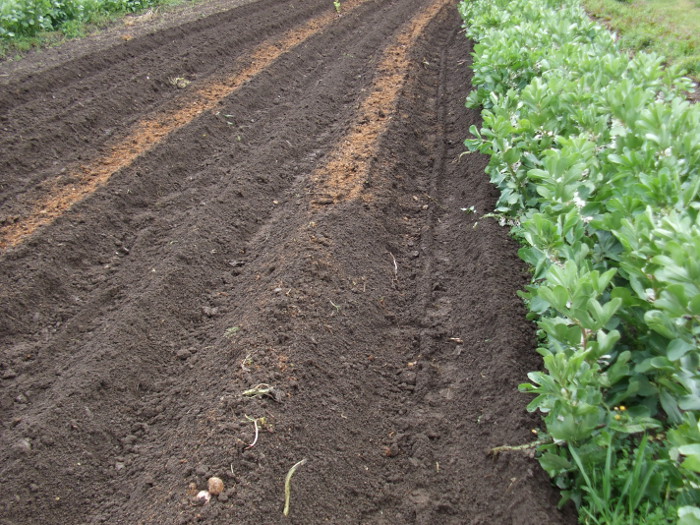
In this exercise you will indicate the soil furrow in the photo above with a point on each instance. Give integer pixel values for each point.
(84, 112)
(463, 346)
(150, 131)
(347, 172)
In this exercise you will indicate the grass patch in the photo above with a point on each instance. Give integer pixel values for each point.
(668, 27)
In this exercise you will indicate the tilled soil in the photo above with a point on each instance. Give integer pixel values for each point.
(203, 281)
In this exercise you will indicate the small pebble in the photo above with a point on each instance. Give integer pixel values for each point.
(215, 486)
(183, 354)
(22, 399)
(23, 445)
(203, 497)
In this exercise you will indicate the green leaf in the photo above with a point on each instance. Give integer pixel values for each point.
(692, 454)
(694, 305)
(606, 342)
(670, 406)
(678, 348)
(689, 515)
(554, 463)
(691, 402)
(556, 296)
(572, 424)
(660, 323)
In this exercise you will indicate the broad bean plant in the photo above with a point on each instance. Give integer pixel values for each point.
(597, 157)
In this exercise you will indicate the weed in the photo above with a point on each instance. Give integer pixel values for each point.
(179, 82)
(231, 331)
(336, 306)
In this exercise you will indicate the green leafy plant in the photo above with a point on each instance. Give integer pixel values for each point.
(27, 18)
(597, 158)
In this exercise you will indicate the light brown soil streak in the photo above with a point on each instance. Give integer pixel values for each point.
(150, 132)
(342, 178)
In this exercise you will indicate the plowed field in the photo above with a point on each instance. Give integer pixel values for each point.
(244, 220)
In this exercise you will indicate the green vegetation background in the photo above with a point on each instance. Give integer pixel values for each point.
(25, 24)
(668, 27)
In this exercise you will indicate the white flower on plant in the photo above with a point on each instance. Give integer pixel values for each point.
(587, 219)
(578, 201)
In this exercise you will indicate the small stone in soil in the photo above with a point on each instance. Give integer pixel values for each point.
(203, 497)
(215, 486)
(183, 354)
(23, 445)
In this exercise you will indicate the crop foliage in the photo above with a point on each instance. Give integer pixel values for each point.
(27, 18)
(597, 157)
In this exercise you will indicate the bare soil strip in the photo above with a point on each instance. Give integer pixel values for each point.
(346, 173)
(53, 120)
(156, 128)
(387, 324)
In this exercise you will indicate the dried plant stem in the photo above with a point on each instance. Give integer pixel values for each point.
(396, 266)
(261, 389)
(255, 440)
(288, 485)
(516, 448)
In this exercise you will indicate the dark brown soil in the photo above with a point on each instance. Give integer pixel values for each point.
(387, 324)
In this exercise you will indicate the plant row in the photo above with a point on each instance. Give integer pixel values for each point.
(597, 157)
(27, 18)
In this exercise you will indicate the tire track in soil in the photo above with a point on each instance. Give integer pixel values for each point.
(151, 131)
(119, 371)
